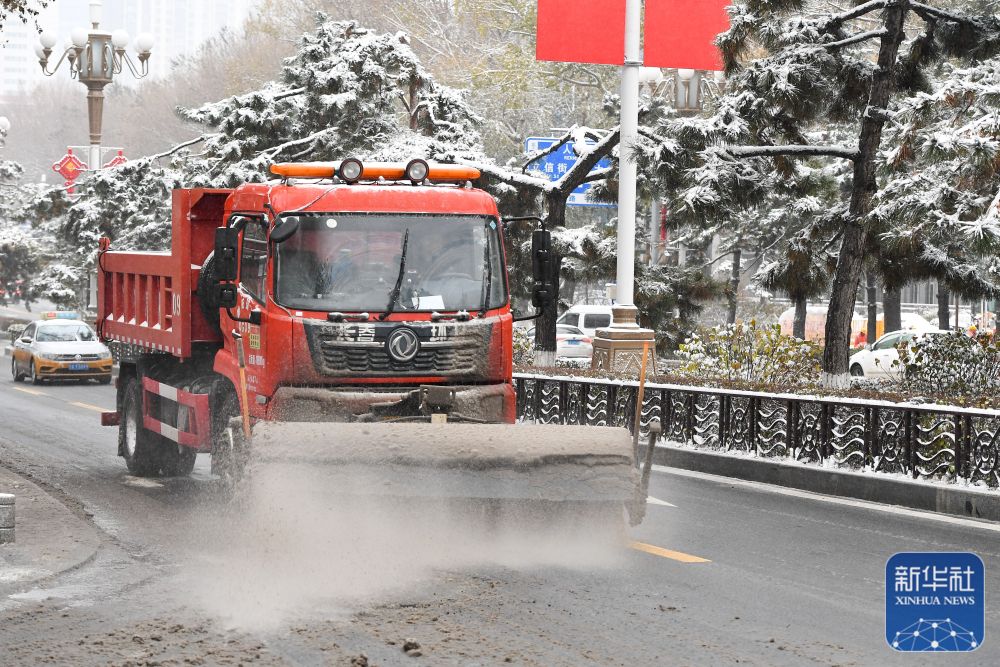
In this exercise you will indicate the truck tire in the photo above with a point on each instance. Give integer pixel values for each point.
(229, 453)
(136, 444)
(177, 460)
(207, 297)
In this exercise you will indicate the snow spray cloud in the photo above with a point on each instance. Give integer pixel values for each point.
(301, 540)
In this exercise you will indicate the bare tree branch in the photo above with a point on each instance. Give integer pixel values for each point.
(855, 39)
(793, 151)
(834, 22)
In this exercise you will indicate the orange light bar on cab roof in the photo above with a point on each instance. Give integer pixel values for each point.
(390, 171)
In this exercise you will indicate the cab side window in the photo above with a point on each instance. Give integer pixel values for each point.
(29, 332)
(253, 260)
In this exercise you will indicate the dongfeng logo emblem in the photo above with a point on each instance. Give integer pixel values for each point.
(402, 344)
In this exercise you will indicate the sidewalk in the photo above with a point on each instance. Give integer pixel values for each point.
(50, 537)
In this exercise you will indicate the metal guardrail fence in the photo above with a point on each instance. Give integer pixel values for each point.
(923, 441)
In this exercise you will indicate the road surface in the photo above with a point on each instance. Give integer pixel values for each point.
(721, 572)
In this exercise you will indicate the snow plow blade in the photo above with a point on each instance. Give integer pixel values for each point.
(457, 460)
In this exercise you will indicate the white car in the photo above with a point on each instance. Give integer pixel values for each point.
(571, 342)
(879, 360)
(586, 318)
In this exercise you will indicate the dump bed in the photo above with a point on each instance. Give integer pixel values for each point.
(148, 299)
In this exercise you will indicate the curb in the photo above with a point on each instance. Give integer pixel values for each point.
(50, 537)
(874, 487)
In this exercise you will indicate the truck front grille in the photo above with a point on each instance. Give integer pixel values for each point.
(340, 358)
(453, 350)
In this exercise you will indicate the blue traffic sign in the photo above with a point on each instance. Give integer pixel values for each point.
(555, 165)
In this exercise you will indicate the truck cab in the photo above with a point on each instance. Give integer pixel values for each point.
(367, 292)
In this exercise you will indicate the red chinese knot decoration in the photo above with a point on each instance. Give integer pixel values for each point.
(117, 160)
(69, 167)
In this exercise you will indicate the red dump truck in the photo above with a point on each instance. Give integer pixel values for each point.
(354, 312)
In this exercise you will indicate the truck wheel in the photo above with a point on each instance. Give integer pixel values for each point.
(177, 460)
(229, 447)
(18, 377)
(207, 297)
(137, 445)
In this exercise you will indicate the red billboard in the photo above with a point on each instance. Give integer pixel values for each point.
(681, 33)
(581, 31)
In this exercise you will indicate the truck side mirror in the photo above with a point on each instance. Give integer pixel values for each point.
(541, 268)
(226, 295)
(227, 241)
(285, 230)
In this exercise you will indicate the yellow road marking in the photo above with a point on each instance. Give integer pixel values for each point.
(88, 406)
(33, 392)
(666, 553)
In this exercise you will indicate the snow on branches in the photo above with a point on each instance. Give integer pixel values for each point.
(347, 91)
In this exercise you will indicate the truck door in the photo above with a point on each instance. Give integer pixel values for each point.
(253, 295)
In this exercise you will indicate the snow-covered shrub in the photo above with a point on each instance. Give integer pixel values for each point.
(524, 347)
(750, 352)
(952, 364)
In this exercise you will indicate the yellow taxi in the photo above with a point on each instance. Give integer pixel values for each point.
(60, 347)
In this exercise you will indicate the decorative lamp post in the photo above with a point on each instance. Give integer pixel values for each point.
(4, 129)
(95, 57)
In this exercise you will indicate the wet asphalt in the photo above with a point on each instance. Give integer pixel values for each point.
(720, 572)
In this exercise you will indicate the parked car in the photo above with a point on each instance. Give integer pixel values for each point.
(879, 359)
(60, 349)
(587, 318)
(571, 342)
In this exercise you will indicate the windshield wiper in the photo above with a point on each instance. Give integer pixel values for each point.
(489, 278)
(394, 295)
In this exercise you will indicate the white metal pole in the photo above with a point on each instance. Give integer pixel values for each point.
(626, 165)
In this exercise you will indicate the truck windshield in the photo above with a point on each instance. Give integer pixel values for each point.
(351, 262)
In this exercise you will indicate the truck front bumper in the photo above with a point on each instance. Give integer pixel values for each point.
(494, 403)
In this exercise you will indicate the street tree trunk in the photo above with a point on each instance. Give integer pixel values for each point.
(799, 323)
(944, 313)
(872, 294)
(892, 307)
(852, 248)
(734, 287)
(545, 326)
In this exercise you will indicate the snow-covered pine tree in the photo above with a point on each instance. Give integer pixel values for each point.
(940, 176)
(348, 91)
(791, 65)
(20, 254)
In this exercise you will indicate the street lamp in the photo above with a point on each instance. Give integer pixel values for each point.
(95, 57)
(4, 129)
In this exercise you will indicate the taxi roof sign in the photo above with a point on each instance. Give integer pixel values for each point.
(60, 315)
